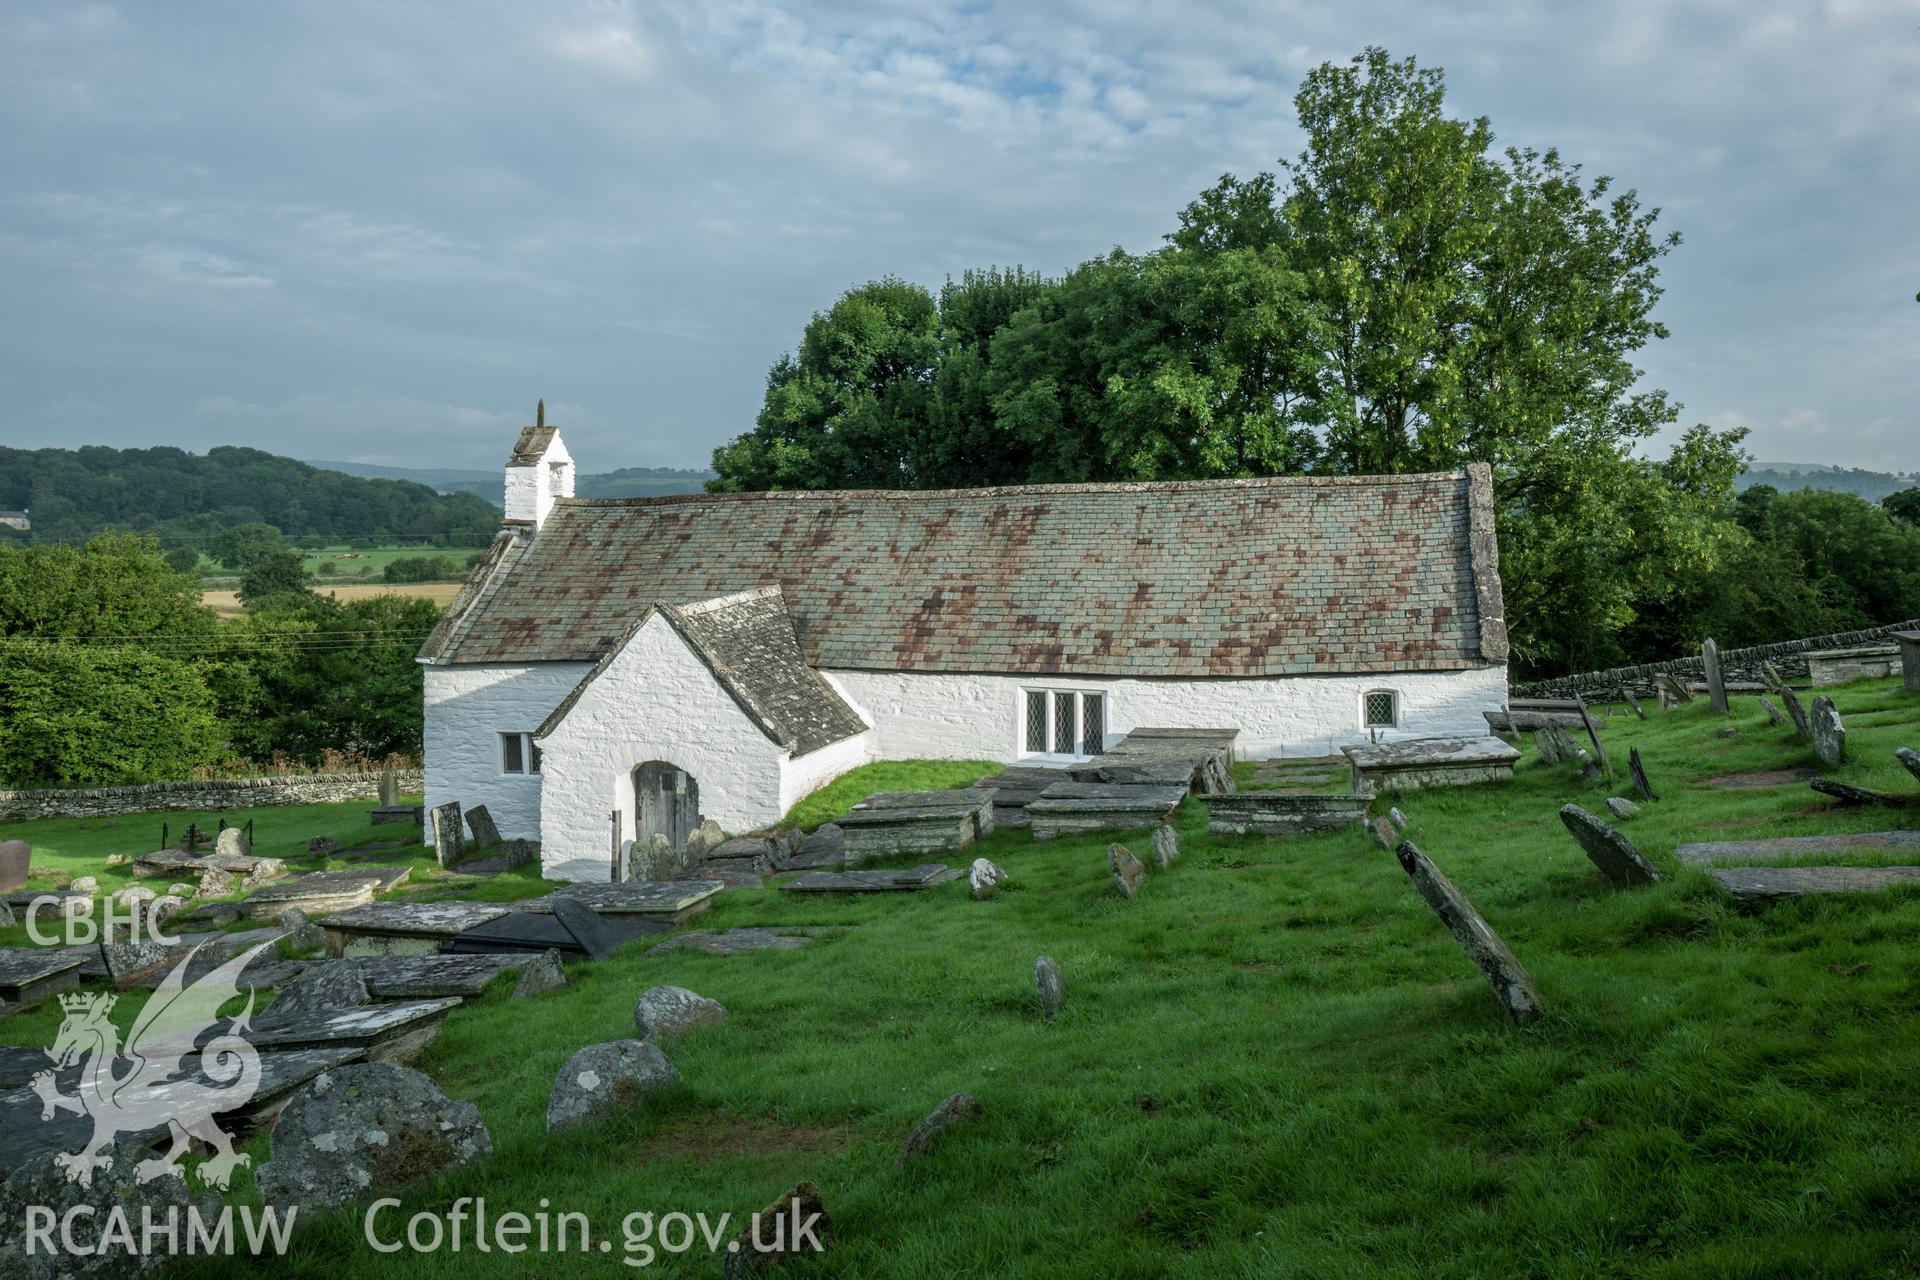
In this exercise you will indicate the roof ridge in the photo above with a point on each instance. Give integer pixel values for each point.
(1002, 491)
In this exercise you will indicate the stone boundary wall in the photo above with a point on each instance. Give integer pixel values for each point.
(211, 795)
(1788, 657)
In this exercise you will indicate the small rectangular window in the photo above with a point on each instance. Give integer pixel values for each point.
(512, 760)
(1093, 724)
(1063, 724)
(533, 754)
(1036, 721)
(1381, 710)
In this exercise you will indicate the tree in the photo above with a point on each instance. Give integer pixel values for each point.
(243, 546)
(1904, 505)
(116, 586)
(84, 715)
(281, 573)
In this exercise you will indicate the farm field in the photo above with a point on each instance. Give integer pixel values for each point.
(227, 603)
(1273, 1062)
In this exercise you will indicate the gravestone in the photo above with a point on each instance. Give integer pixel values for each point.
(1555, 744)
(1772, 674)
(365, 1128)
(1829, 735)
(1622, 808)
(1798, 712)
(1128, 871)
(1641, 786)
(1397, 818)
(1716, 682)
(1673, 685)
(603, 1079)
(1593, 735)
(545, 972)
(1774, 714)
(480, 822)
(232, 841)
(1050, 984)
(128, 960)
(1166, 846)
(1765, 884)
(984, 878)
(448, 843)
(1502, 970)
(957, 1109)
(389, 789)
(1384, 833)
(1774, 848)
(587, 928)
(1910, 758)
(1634, 702)
(1847, 793)
(16, 856)
(1610, 851)
(518, 853)
(326, 984)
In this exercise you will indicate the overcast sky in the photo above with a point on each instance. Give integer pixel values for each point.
(379, 231)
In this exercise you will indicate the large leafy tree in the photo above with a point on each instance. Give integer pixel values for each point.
(116, 586)
(82, 714)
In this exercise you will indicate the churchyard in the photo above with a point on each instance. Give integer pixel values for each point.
(1270, 1059)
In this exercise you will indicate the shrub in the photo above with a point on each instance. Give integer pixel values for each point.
(420, 569)
(87, 716)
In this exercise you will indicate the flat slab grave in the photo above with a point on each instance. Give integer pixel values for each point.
(1714, 852)
(1016, 787)
(411, 813)
(909, 881)
(897, 822)
(1301, 775)
(30, 1139)
(1199, 760)
(668, 901)
(29, 975)
(733, 942)
(1769, 884)
(1759, 779)
(1837, 666)
(178, 864)
(1278, 813)
(523, 933)
(1420, 763)
(403, 928)
(324, 892)
(395, 1032)
(1069, 808)
(428, 977)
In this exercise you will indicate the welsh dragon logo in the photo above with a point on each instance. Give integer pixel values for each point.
(164, 1076)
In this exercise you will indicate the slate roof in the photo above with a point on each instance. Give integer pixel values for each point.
(746, 640)
(1296, 575)
(531, 446)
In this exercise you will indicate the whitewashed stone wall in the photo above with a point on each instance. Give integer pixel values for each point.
(940, 716)
(467, 709)
(532, 489)
(655, 701)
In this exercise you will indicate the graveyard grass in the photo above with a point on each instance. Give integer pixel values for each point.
(1274, 1062)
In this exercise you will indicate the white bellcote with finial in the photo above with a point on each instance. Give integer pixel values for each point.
(539, 471)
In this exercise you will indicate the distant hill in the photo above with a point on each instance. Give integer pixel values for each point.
(1788, 476)
(184, 498)
(627, 482)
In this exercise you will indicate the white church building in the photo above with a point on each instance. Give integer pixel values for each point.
(614, 668)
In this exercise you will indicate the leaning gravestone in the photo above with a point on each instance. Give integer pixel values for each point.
(1640, 784)
(1798, 712)
(1166, 846)
(605, 1078)
(1829, 735)
(1622, 808)
(661, 1012)
(1675, 687)
(1503, 971)
(544, 973)
(1910, 758)
(955, 1110)
(586, 926)
(1052, 986)
(1716, 682)
(1774, 714)
(1383, 832)
(448, 844)
(480, 822)
(985, 879)
(364, 1128)
(1634, 702)
(1128, 871)
(1610, 851)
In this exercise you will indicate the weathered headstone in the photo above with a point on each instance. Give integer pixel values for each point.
(449, 845)
(233, 842)
(1716, 682)
(480, 822)
(1910, 758)
(389, 789)
(544, 973)
(128, 959)
(1772, 674)
(1847, 793)
(803, 1230)
(518, 853)
(602, 1079)
(662, 1012)
(1050, 984)
(16, 857)
(1634, 702)
(1622, 808)
(1675, 686)
(1166, 846)
(1383, 832)
(324, 984)
(703, 839)
(1128, 871)
(1829, 735)
(1798, 712)
(302, 933)
(364, 1128)
(1398, 818)
(1774, 713)
(1641, 786)
(586, 926)
(955, 1110)
(1553, 744)
(1503, 971)
(1605, 765)
(1610, 851)
(984, 878)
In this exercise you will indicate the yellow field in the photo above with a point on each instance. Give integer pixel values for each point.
(227, 603)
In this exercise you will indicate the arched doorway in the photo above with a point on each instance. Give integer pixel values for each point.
(666, 801)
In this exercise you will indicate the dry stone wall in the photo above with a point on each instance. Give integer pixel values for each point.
(208, 795)
(1790, 656)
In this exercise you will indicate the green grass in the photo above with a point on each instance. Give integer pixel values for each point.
(840, 795)
(1274, 1062)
